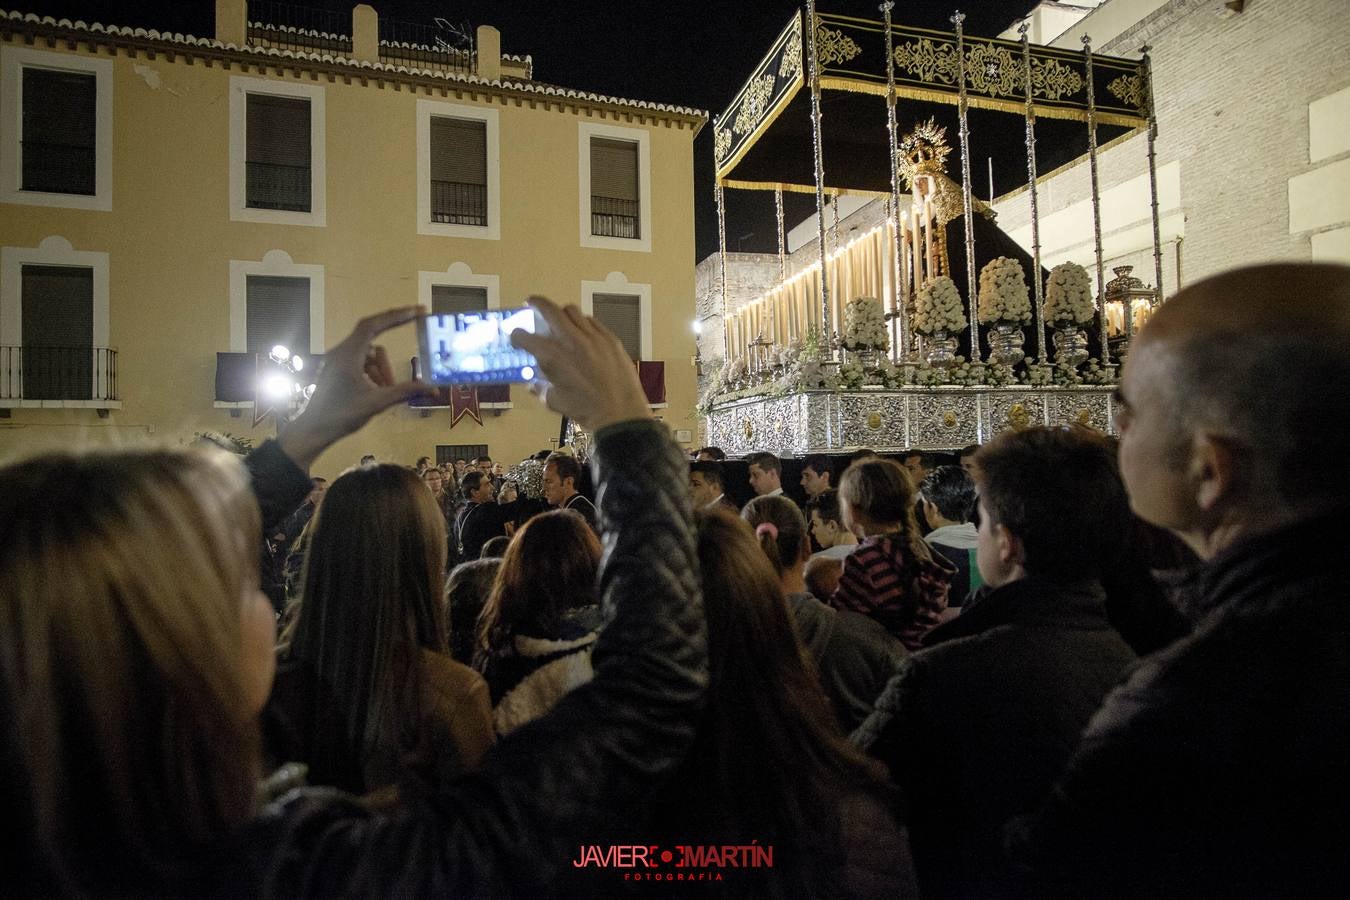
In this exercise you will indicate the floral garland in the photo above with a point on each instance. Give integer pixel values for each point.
(1068, 296)
(1003, 293)
(865, 325)
(938, 307)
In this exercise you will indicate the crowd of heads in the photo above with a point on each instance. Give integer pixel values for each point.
(138, 653)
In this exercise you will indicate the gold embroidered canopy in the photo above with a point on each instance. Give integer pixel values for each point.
(762, 139)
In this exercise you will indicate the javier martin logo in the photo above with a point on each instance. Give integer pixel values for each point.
(680, 862)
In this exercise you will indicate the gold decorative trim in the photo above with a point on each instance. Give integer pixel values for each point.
(1052, 80)
(834, 46)
(791, 63)
(1129, 89)
(721, 143)
(742, 185)
(754, 104)
(773, 113)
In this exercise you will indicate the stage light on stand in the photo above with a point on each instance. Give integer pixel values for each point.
(280, 354)
(277, 387)
(297, 363)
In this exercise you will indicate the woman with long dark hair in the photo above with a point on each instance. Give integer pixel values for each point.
(770, 763)
(541, 619)
(366, 690)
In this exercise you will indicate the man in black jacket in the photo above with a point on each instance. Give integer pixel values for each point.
(977, 725)
(1222, 766)
(481, 518)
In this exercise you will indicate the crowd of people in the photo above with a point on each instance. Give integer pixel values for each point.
(1054, 665)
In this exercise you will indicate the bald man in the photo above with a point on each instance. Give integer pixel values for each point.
(1221, 766)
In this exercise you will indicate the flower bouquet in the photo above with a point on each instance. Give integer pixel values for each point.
(938, 308)
(865, 325)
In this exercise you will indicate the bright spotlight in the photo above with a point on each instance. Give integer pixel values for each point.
(297, 363)
(698, 327)
(280, 353)
(277, 387)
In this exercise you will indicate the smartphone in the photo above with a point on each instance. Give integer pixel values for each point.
(475, 347)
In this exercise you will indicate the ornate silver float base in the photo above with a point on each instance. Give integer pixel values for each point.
(889, 420)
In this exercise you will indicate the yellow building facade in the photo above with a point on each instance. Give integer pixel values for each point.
(155, 212)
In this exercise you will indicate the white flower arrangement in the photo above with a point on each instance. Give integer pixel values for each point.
(809, 374)
(852, 376)
(735, 370)
(865, 325)
(938, 307)
(1068, 296)
(1003, 293)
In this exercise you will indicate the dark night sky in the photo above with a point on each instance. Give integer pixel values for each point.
(689, 53)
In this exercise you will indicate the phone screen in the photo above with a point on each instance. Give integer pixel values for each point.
(475, 347)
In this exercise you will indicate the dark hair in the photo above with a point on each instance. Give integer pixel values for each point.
(785, 543)
(495, 548)
(882, 491)
(768, 760)
(818, 463)
(548, 570)
(1059, 491)
(470, 482)
(859, 455)
(371, 601)
(826, 505)
(766, 461)
(466, 592)
(716, 453)
(566, 466)
(423, 459)
(951, 490)
(968, 450)
(711, 471)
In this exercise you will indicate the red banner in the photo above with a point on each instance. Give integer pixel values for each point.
(464, 400)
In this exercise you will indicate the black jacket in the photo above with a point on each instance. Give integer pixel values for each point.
(1222, 766)
(479, 523)
(976, 727)
(547, 786)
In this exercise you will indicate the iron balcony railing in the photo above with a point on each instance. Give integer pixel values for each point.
(457, 203)
(58, 168)
(611, 217)
(277, 186)
(285, 26)
(58, 373)
(439, 48)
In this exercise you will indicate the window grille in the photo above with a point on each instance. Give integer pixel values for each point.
(277, 164)
(448, 453)
(59, 130)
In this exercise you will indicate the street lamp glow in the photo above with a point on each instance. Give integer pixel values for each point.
(277, 387)
(698, 327)
(280, 353)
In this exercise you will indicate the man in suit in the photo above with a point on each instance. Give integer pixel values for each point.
(561, 474)
(707, 485)
(481, 518)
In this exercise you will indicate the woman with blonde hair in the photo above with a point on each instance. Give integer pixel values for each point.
(893, 576)
(136, 653)
(366, 691)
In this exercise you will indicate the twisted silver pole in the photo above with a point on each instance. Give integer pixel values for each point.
(722, 268)
(1147, 75)
(814, 61)
(967, 207)
(900, 294)
(1031, 188)
(782, 236)
(1096, 199)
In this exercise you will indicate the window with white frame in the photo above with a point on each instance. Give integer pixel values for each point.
(621, 314)
(614, 173)
(56, 128)
(458, 170)
(278, 313)
(54, 327)
(277, 152)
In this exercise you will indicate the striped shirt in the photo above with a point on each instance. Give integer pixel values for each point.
(882, 580)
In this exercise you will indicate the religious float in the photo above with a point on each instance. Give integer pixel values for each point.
(934, 329)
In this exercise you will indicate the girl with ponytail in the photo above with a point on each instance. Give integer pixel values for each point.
(892, 576)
